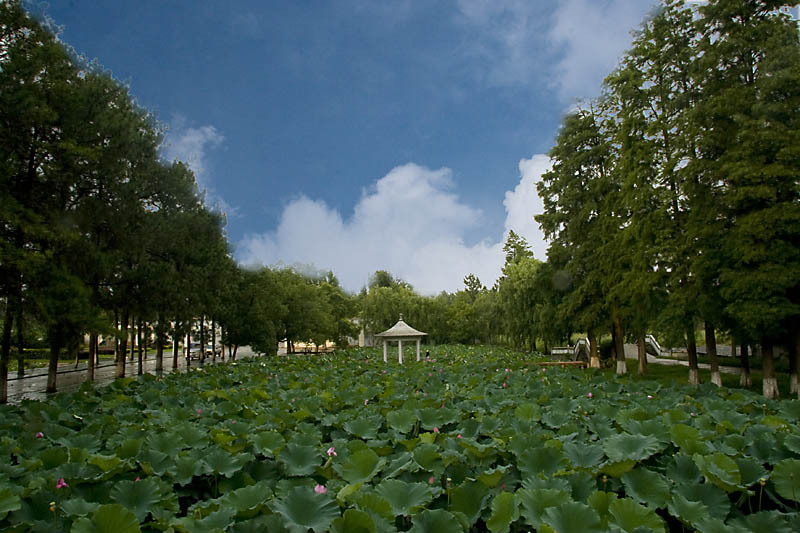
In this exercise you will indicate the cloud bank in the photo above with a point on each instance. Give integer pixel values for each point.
(192, 145)
(409, 222)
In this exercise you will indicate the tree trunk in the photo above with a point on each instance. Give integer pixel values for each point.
(133, 338)
(711, 349)
(116, 337)
(5, 353)
(140, 341)
(691, 350)
(792, 368)
(745, 379)
(793, 345)
(213, 340)
(594, 358)
(188, 350)
(202, 339)
(76, 351)
(160, 344)
(642, 354)
(770, 381)
(52, 367)
(613, 346)
(20, 340)
(796, 355)
(235, 349)
(619, 342)
(92, 356)
(123, 345)
(175, 349)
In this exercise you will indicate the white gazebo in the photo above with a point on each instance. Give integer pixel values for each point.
(400, 332)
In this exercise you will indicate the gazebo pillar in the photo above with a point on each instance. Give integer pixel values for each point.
(385, 359)
(417, 349)
(400, 351)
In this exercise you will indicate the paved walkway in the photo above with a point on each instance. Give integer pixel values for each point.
(32, 386)
(632, 352)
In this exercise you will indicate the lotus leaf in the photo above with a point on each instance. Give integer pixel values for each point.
(624, 447)
(436, 521)
(545, 460)
(353, 521)
(360, 466)
(137, 496)
(222, 462)
(572, 517)
(688, 439)
(112, 518)
(365, 427)
(786, 478)
(765, 522)
(720, 470)
(469, 498)
(402, 420)
(584, 455)
(647, 487)
(8, 502)
(534, 502)
(629, 515)
(404, 497)
(299, 460)
(505, 509)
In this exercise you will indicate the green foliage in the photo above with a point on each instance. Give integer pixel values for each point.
(276, 445)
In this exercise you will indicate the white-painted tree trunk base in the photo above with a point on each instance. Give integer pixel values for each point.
(793, 384)
(594, 362)
(622, 368)
(694, 376)
(745, 380)
(716, 378)
(771, 388)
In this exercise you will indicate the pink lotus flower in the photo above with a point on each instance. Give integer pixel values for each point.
(504, 385)
(60, 484)
(590, 395)
(431, 480)
(199, 411)
(435, 429)
(458, 436)
(320, 489)
(137, 479)
(366, 402)
(332, 452)
(40, 435)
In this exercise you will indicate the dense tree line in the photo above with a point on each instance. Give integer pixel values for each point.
(100, 235)
(673, 203)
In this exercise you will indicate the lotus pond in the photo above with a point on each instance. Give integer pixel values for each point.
(473, 439)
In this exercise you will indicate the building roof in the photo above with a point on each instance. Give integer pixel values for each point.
(401, 329)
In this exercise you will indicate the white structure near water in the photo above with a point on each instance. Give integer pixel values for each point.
(400, 332)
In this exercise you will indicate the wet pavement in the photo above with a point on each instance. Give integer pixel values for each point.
(32, 386)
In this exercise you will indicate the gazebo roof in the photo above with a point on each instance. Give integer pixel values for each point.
(401, 329)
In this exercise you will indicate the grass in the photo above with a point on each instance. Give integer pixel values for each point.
(669, 375)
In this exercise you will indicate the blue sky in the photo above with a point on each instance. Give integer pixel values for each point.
(358, 135)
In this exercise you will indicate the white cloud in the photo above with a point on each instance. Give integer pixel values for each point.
(590, 36)
(575, 45)
(192, 146)
(409, 223)
(523, 203)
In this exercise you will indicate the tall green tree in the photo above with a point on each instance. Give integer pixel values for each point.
(750, 118)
